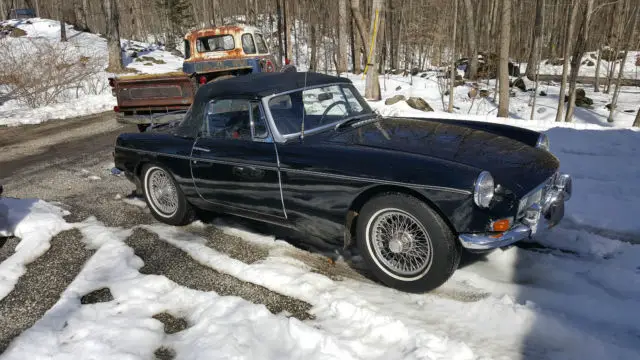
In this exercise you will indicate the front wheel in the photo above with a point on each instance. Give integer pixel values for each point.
(406, 244)
(164, 197)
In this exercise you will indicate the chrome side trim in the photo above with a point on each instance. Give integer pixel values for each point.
(312, 173)
(199, 149)
(153, 152)
(377, 181)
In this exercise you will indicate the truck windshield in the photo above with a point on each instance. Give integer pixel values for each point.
(215, 43)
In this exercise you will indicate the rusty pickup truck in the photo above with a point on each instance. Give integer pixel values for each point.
(210, 55)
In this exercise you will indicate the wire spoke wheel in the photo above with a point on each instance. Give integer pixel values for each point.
(162, 192)
(400, 242)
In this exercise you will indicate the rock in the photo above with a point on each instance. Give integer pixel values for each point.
(512, 94)
(419, 104)
(608, 106)
(541, 110)
(394, 99)
(171, 323)
(97, 296)
(399, 88)
(584, 102)
(423, 75)
(580, 93)
(590, 63)
(609, 55)
(593, 56)
(543, 93)
(415, 71)
(164, 353)
(484, 93)
(519, 83)
(458, 82)
(555, 62)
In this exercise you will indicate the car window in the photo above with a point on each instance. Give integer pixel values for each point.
(262, 46)
(187, 49)
(235, 119)
(228, 119)
(248, 45)
(215, 43)
(320, 107)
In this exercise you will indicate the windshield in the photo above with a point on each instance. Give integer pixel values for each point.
(215, 43)
(321, 107)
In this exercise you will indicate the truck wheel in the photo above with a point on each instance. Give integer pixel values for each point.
(164, 197)
(406, 244)
(143, 127)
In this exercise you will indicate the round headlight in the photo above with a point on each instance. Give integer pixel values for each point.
(543, 142)
(484, 189)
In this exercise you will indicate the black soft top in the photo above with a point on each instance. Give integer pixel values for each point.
(253, 86)
(263, 84)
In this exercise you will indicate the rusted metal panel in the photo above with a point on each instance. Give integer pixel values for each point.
(157, 91)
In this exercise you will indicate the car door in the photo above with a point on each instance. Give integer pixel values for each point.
(234, 163)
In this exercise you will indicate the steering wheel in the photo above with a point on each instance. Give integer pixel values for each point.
(326, 111)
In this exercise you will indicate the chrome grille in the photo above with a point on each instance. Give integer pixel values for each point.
(535, 196)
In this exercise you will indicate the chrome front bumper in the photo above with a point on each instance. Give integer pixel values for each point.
(541, 215)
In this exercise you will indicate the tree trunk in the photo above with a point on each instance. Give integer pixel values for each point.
(342, 36)
(536, 41)
(63, 27)
(573, 12)
(287, 29)
(3, 11)
(372, 86)
(473, 47)
(636, 122)
(453, 56)
(505, 38)
(359, 20)
(110, 10)
(596, 82)
(313, 62)
(280, 45)
(355, 50)
(616, 92)
(576, 59)
(616, 34)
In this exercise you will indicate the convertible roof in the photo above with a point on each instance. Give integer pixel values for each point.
(250, 86)
(264, 84)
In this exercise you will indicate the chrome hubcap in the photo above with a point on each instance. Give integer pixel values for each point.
(162, 192)
(400, 242)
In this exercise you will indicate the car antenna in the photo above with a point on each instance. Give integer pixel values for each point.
(304, 87)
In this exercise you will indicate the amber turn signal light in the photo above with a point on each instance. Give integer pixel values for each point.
(501, 225)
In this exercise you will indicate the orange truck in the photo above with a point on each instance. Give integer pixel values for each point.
(210, 55)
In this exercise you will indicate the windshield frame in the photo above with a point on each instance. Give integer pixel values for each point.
(281, 138)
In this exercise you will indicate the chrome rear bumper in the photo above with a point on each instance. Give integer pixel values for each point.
(539, 216)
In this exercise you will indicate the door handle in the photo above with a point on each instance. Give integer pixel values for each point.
(201, 149)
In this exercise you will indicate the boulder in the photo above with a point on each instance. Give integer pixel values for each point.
(590, 63)
(423, 75)
(580, 93)
(394, 99)
(415, 71)
(96, 296)
(419, 104)
(609, 55)
(399, 88)
(555, 62)
(543, 93)
(484, 93)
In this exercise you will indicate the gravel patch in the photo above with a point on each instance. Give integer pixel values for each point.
(40, 287)
(171, 323)
(161, 258)
(97, 296)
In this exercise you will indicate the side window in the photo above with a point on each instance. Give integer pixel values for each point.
(228, 119)
(235, 119)
(248, 45)
(353, 101)
(187, 49)
(262, 47)
(258, 122)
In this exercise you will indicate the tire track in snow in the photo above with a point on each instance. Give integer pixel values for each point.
(40, 287)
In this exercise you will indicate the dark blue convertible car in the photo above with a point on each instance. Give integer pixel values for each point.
(305, 151)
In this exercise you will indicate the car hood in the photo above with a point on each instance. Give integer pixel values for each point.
(516, 165)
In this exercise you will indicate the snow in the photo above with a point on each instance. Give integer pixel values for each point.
(35, 222)
(95, 94)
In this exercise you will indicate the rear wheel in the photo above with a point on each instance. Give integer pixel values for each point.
(164, 197)
(143, 127)
(405, 243)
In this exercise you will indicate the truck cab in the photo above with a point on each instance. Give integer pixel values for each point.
(226, 51)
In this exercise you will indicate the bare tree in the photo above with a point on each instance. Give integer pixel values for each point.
(636, 122)
(505, 33)
(359, 20)
(471, 34)
(536, 41)
(342, 36)
(572, 11)
(372, 85)
(453, 56)
(110, 9)
(580, 48)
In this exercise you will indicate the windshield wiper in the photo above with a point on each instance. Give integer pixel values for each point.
(354, 119)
